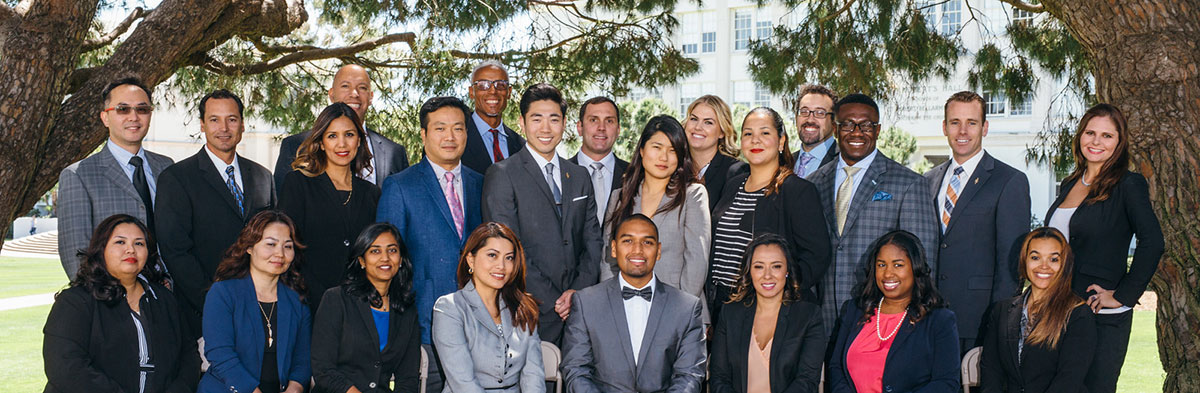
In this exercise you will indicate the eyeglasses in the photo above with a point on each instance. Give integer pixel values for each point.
(866, 126)
(124, 109)
(819, 114)
(488, 85)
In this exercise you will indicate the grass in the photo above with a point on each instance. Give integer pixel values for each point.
(30, 276)
(1142, 371)
(21, 349)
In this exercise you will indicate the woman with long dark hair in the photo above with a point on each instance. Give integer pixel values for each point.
(113, 328)
(486, 333)
(1101, 206)
(256, 328)
(897, 334)
(713, 144)
(366, 330)
(1043, 340)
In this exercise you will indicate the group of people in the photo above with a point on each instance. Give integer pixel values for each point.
(676, 270)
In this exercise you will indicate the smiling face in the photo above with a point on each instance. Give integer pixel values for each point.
(352, 86)
(761, 142)
(1043, 262)
(340, 142)
(273, 253)
(490, 103)
(636, 249)
(1099, 140)
(493, 264)
(445, 136)
(768, 271)
(964, 128)
(894, 274)
(811, 129)
(126, 252)
(543, 125)
(382, 259)
(598, 128)
(658, 157)
(222, 125)
(127, 130)
(702, 128)
(854, 143)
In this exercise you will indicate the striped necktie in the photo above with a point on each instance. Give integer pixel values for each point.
(952, 192)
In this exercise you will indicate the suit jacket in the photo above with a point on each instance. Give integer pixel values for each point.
(720, 169)
(197, 218)
(797, 349)
(598, 356)
(409, 201)
(618, 171)
(345, 351)
(91, 346)
(476, 155)
(560, 253)
(977, 257)
(475, 356)
(234, 337)
(1100, 235)
(90, 191)
(1039, 368)
(683, 234)
(830, 155)
(924, 356)
(889, 197)
(387, 157)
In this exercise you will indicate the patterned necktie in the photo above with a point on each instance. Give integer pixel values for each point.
(802, 169)
(843, 197)
(143, 189)
(628, 293)
(952, 191)
(554, 188)
(497, 155)
(601, 189)
(456, 210)
(233, 188)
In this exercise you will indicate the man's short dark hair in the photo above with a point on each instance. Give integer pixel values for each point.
(433, 104)
(813, 88)
(636, 217)
(542, 91)
(967, 96)
(221, 94)
(856, 98)
(106, 94)
(598, 100)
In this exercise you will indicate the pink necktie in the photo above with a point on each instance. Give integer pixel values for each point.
(456, 210)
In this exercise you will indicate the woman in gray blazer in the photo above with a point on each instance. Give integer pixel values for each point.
(485, 334)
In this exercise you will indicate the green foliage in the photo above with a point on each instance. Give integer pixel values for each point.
(897, 144)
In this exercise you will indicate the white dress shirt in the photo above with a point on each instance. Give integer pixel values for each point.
(122, 156)
(840, 174)
(440, 173)
(541, 164)
(221, 165)
(637, 314)
(968, 167)
(610, 162)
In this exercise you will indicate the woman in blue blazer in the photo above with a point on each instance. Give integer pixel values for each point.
(897, 335)
(257, 332)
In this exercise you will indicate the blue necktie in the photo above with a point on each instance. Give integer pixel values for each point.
(233, 188)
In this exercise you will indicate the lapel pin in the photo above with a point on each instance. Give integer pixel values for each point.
(568, 175)
(977, 180)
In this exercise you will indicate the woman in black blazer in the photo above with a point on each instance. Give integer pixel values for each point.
(328, 202)
(768, 339)
(712, 144)
(366, 332)
(1041, 341)
(93, 332)
(768, 199)
(1100, 207)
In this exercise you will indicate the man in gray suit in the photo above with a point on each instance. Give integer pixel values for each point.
(866, 195)
(120, 178)
(632, 333)
(599, 126)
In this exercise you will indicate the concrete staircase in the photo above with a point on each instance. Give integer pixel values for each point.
(42, 245)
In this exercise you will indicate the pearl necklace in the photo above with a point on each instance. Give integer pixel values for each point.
(894, 330)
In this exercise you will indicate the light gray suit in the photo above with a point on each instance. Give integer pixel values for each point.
(90, 191)
(598, 356)
(476, 356)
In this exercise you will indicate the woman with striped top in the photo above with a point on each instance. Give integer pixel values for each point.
(768, 199)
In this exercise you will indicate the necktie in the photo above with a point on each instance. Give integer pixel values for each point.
(952, 191)
(843, 197)
(628, 293)
(143, 190)
(233, 189)
(601, 189)
(805, 158)
(554, 188)
(456, 210)
(497, 155)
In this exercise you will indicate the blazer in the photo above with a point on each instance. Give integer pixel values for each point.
(474, 354)
(409, 201)
(326, 224)
(90, 191)
(924, 355)
(476, 156)
(830, 154)
(597, 349)
(618, 171)
(90, 346)
(234, 337)
(890, 197)
(683, 234)
(720, 169)
(197, 218)
(387, 157)
(1039, 369)
(345, 348)
(797, 350)
(977, 257)
(560, 253)
(1100, 235)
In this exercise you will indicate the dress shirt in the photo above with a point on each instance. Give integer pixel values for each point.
(610, 162)
(123, 157)
(541, 163)
(818, 154)
(221, 165)
(440, 174)
(637, 314)
(840, 174)
(486, 133)
(1061, 220)
(968, 167)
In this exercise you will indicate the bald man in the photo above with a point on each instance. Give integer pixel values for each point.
(352, 86)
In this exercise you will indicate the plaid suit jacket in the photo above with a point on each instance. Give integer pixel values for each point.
(889, 197)
(90, 191)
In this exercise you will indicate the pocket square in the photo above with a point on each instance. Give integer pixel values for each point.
(580, 198)
(881, 196)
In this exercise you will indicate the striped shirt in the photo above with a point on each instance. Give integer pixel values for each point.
(729, 242)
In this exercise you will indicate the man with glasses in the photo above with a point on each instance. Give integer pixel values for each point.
(489, 140)
(814, 124)
(120, 178)
(866, 195)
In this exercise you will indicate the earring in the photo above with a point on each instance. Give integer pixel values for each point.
(470, 271)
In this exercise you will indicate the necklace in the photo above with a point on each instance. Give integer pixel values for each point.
(267, 318)
(1083, 180)
(896, 329)
(348, 196)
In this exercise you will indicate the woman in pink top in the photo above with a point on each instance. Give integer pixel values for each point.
(897, 335)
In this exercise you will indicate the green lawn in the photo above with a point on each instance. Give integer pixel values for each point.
(30, 276)
(21, 349)
(1142, 371)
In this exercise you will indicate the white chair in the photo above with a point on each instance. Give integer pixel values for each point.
(551, 357)
(424, 370)
(821, 385)
(970, 369)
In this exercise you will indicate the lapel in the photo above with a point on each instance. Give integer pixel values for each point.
(530, 165)
(1012, 324)
(472, 193)
(216, 180)
(978, 179)
(364, 311)
(480, 311)
(1063, 191)
(515, 142)
(906, 330)
(658, 304)
(379, 156)
(619, 174)
(116, 173)
(865, 192)
(823, 179)
(616, 307)
(475, 144)
(568, 192)
(740, 334)
(250, 187)
(433, 188)
(935, 181)
(251, 312)
(284, 315)
(782, 323)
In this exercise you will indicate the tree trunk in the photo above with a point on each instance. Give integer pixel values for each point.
(1146, 60)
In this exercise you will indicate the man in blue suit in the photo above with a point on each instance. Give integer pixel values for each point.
(435, 204)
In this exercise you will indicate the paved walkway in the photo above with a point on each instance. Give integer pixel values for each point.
(13, 303)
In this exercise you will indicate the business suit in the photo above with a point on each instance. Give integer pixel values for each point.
(234, 337)
(560, 253)
(597, 349)
(197, 218)
(1038, 369)
(720, 170)
(473, 352)
(346, 350)
(618, 170)
(477, 153)
(889, 197)
(387, 157)
(90, 191)
(977, 257)
(90, 346)
(797, 349)
(684, 237)
(830, 155)
(924, 356)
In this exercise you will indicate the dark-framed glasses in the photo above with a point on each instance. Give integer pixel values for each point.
(499, 84)
(124, 109)
(819, 114)
(866, 126)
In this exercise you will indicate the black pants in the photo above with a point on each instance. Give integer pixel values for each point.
(1112, 332)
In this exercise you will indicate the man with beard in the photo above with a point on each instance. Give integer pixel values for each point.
(814, 121)
(489, 140)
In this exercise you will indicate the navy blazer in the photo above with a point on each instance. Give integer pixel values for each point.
(409, 201)
(923, 357)
(1039, 369)
(234, 337)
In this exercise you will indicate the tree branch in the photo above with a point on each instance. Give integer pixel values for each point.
(845, 7)
(101, 41)
(222, 68)
(1023, 6)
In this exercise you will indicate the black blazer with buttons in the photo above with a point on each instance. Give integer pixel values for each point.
(1039, 369)
(797, 349)
(475, 154)
(345, 347)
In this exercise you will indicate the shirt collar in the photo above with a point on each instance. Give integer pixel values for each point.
(123, 155)
(820, 150)
(969, 165)
(609, 161)
(626, 284)
(483, 127)
(541, 161)
(220, 164)
(441, 172)
(861, 164)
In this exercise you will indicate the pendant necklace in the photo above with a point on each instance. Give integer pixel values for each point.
(267, 318)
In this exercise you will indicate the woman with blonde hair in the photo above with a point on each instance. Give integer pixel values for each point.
(713, 144)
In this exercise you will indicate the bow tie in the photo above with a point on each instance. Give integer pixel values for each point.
(645, 293)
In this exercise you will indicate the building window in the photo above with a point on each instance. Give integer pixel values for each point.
(741, 30)
(1022, 17)
(709, 42)
(762, 96)
(1023, 109)
(689, 49)
(997, 104)
(687, 94)
(763, 28)
(951, 17)
(743, 93)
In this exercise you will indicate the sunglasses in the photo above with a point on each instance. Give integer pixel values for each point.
(488, 85)
(124, 109)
